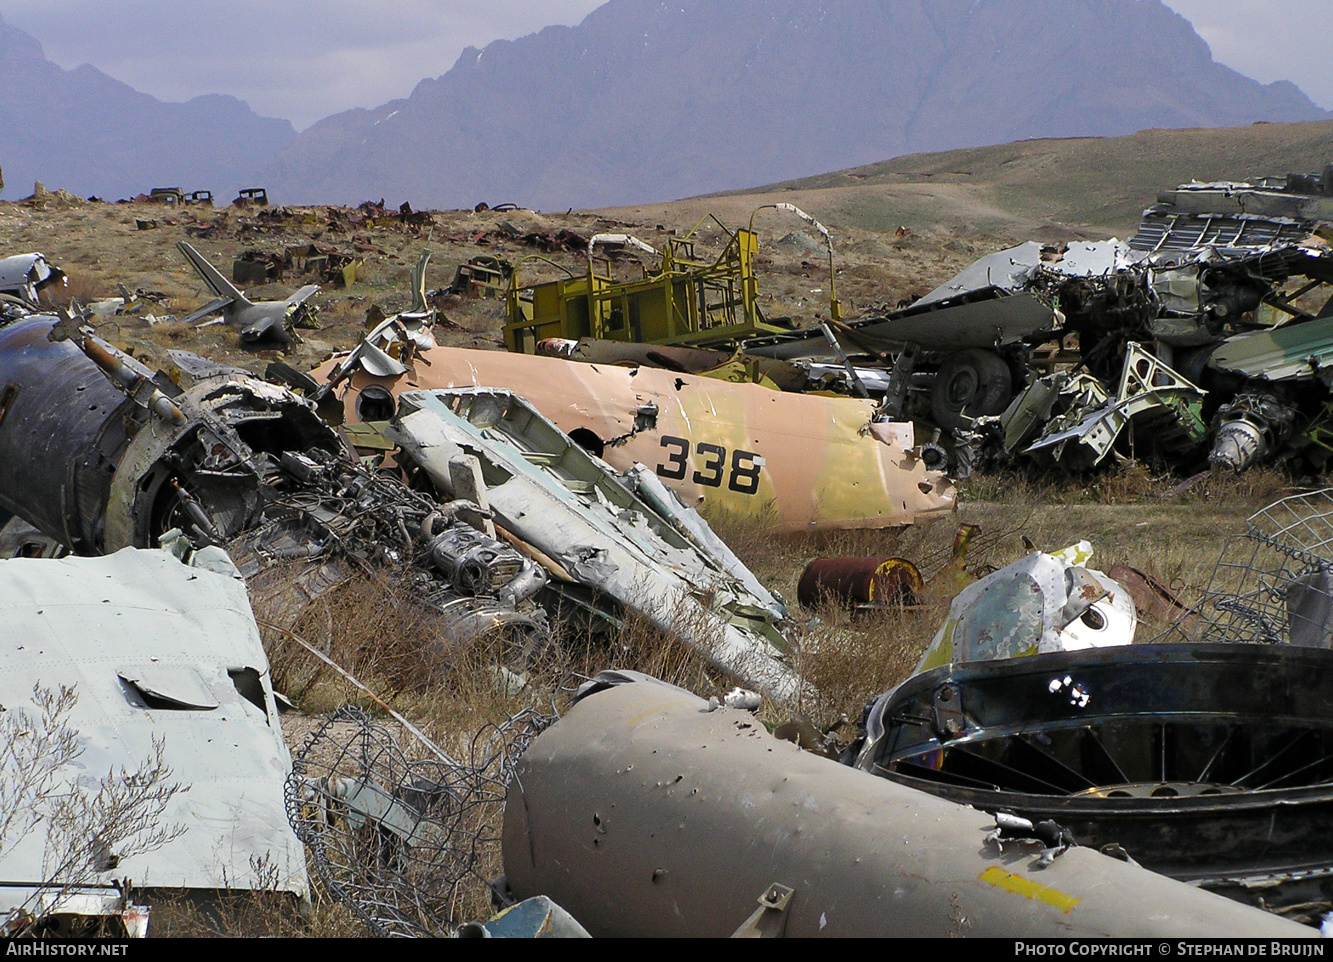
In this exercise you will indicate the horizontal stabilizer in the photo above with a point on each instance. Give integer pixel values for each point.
(212, 307)
(301, 296)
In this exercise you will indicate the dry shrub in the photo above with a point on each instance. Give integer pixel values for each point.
(756, 541)
(637, 644)
(642, 646)
(746, 535)
(79, 287)
(1254, 488)
(1126, 482)
(368, 625)
(169, 333)
(1009, 485)
(849, 658)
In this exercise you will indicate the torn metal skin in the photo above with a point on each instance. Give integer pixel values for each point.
(589, 526)
(100, 457)
(797, 462)
(643, 813)
(1040, 603)
(157, 653)
(24, 276)
(1164, 409)
(1209, 262)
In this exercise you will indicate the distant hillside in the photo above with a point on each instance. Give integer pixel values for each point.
(1091, 185)
(646, 100)
(87, 133)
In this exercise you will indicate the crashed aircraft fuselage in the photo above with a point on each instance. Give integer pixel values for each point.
(798, 461)
(256, 320)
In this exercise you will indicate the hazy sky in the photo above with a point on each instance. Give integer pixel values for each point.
(305, 60)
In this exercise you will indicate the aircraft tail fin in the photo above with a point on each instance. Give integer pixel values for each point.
(419, 283)
(218, 284)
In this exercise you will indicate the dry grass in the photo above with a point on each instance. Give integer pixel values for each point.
(77, 287)
(848, 659)
(263, 914)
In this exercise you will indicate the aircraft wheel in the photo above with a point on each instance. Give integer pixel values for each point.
(970, 384)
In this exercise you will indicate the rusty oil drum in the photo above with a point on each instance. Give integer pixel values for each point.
(860, 582)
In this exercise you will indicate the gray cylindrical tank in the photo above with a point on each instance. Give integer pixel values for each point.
(62, 431)
(644, 814)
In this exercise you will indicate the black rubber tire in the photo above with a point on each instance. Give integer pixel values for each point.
(971, 383)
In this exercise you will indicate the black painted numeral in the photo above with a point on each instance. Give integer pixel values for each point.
(745, 465)
(675, 466)
(744, 472)
(714, 467)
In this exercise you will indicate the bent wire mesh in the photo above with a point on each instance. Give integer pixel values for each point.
(1272, 583)
(397, 832)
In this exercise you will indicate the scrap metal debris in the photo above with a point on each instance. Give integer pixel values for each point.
(241, 463)
(1040, 603)
(482, 276)
(644, 814)
(860, 583)
(255, 320)
(688, 299)
(248, 465)
(24, 276)
(624, 539)
(1205, 330)
(1157, 751)
(796, 462)
(158, 666)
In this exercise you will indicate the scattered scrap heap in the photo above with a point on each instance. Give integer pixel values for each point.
(1202, 335)
(1199, 340)
(508, 494)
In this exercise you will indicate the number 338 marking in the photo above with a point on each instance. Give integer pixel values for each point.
(711, 460)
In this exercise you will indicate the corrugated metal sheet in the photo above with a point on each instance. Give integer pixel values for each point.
(1177, 231)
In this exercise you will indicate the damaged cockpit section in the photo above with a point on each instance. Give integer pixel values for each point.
(625, 539)
(515, 516)
(1040, 603)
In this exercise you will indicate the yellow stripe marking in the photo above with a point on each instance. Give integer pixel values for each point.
(1028, 889)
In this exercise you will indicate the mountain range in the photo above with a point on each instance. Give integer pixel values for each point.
(91, 134)
(646, 100)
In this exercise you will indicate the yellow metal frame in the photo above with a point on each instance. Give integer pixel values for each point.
(686, 301)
